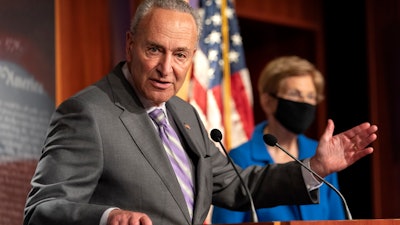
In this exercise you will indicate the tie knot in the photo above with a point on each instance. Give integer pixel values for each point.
(158, 116)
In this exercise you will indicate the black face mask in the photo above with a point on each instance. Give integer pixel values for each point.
(295, 116)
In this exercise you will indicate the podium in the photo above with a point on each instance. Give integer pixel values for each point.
(330, 222)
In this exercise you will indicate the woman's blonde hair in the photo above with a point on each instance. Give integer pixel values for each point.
(288, 66)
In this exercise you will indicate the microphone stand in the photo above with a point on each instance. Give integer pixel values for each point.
(216, 135)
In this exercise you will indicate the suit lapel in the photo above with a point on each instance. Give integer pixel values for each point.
(184, 123)
(184, 127)
(135, 119)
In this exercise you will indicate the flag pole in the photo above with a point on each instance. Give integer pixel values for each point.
(226, 75)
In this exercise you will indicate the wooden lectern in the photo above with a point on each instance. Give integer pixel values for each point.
(330, 222)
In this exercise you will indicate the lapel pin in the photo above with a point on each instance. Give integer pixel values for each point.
(187, 126)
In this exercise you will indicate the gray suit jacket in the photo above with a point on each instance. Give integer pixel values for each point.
(102, 151)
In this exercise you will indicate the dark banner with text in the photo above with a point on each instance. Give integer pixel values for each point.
(27, 92)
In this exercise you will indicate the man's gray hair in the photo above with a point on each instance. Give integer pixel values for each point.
(177, 5)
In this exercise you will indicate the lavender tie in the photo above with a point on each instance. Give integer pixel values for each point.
(176, 155)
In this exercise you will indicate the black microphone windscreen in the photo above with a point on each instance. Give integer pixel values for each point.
(270, 139)
(216, 135)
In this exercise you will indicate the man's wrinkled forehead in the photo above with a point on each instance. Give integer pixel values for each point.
(168, 22)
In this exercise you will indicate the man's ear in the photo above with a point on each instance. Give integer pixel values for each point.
(128, 45)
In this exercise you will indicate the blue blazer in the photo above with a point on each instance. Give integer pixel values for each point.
(254, 152)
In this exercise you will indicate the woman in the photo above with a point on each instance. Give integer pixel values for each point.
(290, 88)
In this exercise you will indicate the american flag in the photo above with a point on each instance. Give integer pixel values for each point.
(220, 86)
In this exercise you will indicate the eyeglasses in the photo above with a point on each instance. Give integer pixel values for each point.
(298, 96)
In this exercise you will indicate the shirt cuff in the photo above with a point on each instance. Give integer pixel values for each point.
(311, 182)
(104, 217)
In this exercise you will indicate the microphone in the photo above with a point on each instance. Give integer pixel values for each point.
(271, 140)
(216, 136)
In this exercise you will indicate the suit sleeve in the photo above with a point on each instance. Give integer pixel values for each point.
(68, 170)
(271, 185)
